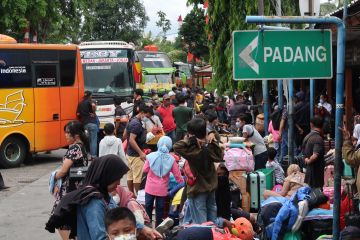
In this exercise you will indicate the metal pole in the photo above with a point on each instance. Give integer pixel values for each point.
(312, 94)
(339, 93)
(279, 82)
(291, 135)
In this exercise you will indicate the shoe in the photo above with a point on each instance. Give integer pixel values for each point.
(165, 225)
(303, 210)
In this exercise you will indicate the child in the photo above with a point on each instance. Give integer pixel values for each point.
(158, 165)
(120, 223)
(111, 144)
(272, 163)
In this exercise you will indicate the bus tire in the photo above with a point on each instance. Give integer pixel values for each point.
(12, 152)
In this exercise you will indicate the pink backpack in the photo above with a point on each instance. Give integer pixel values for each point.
(239, 159)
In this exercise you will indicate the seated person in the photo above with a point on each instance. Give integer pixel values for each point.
(272, 163)
(293, 181)
(120, 223)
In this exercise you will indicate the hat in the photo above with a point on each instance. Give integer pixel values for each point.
(166, 97)
(171, 93)
(243, 229)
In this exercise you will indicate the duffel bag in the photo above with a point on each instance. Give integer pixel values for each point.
(239, 159)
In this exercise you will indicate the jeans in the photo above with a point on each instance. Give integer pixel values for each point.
(92, 131)
(202, 208)
(172, 135)
(284, 145)
(278, 150)
(159, 207)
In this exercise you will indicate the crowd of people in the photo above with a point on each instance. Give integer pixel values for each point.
(171, 149)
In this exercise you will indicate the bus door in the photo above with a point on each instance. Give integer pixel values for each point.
(47, 105)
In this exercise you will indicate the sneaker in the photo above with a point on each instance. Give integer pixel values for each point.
(303, 210)
(165, 225)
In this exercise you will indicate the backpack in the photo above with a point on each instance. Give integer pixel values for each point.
(276, 119)
(239, 159)
(190, 178)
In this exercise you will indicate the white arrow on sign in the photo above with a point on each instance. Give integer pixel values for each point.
(245, 55)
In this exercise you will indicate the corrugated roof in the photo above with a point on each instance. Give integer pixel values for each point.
(350, 5)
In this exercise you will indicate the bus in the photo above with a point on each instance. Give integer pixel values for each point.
(157, 72)
(183, 73)
(108, 68)
(40, 88)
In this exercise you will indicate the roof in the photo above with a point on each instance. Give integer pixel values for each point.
(204, 69)
(353, 8)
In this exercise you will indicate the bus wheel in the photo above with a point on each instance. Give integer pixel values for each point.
(12, 152)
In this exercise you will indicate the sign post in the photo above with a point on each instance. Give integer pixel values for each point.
(293, 54)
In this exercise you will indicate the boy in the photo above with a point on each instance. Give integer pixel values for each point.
(271, 163)
(111, 144)
(120, 223)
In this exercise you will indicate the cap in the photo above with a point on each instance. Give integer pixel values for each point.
(171, 93)
(166, 96)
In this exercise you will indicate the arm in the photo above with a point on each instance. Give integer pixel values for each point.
(351, 156)
(177, 174)
(101, 149)
(121, 152)
(215, 152)
(134, 145)
(282, 127)
(317, 150)
(64, 169)
(124, 136)
(146, 166)
(94, 213)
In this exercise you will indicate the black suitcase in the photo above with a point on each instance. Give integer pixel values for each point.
(76, 177)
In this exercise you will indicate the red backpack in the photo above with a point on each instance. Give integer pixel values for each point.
(190, 178)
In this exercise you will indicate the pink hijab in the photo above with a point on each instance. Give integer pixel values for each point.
(125, 196)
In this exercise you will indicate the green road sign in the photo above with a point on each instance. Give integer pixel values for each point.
(292, 54)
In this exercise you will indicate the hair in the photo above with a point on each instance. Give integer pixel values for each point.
(197, 127)
(223, 167)
(139, 91)
(117, 100)
(174, 89)
(109, 129)
(271, 153)
(118, 214)
(246, 118)
(148, 109)
(325, 96)
(292, 169)
(142, 108)
(76, 128)
(239, 97)
(87, 94)
(180, 98)
(317, 121)
(211, 117)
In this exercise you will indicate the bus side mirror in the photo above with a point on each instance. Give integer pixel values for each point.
(137, 72)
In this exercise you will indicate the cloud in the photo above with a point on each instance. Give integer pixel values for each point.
(172, 9)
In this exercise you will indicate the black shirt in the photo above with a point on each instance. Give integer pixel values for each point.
(120, 113)
(137, 104)
(84, 110)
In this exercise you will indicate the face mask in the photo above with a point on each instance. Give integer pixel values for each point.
(322, 101)
(116, 199)
(126, 237)
(238, 125)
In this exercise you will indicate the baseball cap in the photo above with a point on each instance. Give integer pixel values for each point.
(166, 96)
(171, 93)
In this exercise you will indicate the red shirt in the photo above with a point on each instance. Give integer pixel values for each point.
(168, 119)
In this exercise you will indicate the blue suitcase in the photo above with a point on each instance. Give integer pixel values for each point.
(256, 185)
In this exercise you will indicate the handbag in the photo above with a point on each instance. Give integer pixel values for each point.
(239, 159)
(190, 177)
(158, 134)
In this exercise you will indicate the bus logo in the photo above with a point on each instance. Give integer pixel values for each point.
(12, 109)
(2, 63)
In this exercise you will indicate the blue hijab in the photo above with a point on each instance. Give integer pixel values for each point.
(161, 161)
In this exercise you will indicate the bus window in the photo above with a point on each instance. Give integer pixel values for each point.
(46, 75)
(45, 55)
(15, 69)
(67, 68)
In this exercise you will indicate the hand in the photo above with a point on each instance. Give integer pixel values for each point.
(211, 137)
(307, 161)
(280, 136)
(345, 132)
(200, 142)
(151, 233)
(228, 224)
(301, 131)
(143, 156)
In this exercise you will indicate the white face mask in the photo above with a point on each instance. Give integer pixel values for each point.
(322, 101)
(126, 237)
(116, 199)
(238, 125)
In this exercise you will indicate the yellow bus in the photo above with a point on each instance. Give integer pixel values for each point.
(40, 88)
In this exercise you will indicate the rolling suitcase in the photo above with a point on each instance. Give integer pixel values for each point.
(256, 184)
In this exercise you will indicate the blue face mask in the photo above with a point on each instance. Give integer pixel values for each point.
(322, 101)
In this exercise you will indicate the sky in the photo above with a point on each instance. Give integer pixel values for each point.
(172, 8)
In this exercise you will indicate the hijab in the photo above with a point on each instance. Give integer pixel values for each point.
(356, 134)
(161, 161)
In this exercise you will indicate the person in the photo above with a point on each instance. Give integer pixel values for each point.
(86, 113)
(351, 154)
(173, 99)
(294, 180)
(75, 156)
(240, 108)
(121, 118)
(222, 193)
(272, 163)
(166, 112)
(125, 198)
(356, 132)
(250, 133)
(159, 165)
(182, 115)
(324, 103)
(120, 223)
(276, 139)
(151, 120)
(110, 144)
(324, 109)
(313, 151)
(201, 151)
(136, 136)
(138, 101)
(301, 118)
(283, 134)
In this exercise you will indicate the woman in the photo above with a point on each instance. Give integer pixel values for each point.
(84, 209)
(75, 156)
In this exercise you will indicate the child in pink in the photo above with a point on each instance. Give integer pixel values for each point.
(276, 139)
(158, 165)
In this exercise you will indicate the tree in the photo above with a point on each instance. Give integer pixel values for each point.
(194, 35)
(114, 20)
(177, 56)
(326, 8)
(163, 23)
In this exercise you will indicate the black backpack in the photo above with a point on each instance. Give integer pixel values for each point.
(276, 119)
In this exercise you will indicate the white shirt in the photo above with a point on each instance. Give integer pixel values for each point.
(112, 145)
(327, 106)
(149, 125)
(256, 138)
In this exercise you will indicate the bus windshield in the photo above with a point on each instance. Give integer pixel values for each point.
(159, 78)
(107, 71)
(154, 60)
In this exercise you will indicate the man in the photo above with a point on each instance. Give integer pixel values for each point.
(86, 114)
(324, 109)
(166, 112)
(173, 98)
(138, 100)
(313, 151)
(182, 115)
(301, 118)
(121, 118)
(240, 108)
(136, 136)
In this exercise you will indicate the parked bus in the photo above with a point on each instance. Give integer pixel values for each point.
(183, 73)
(108, 68)
(40, 88)
(157, 71)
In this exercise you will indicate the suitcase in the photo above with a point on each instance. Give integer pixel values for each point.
(256, 185)
(76, 176)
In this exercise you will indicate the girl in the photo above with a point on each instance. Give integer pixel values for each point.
(158, 165)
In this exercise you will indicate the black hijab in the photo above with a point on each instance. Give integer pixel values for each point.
(101, 173)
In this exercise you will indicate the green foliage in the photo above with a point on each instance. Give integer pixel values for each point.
(326, 8)
(177, 56)
(163, 23)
